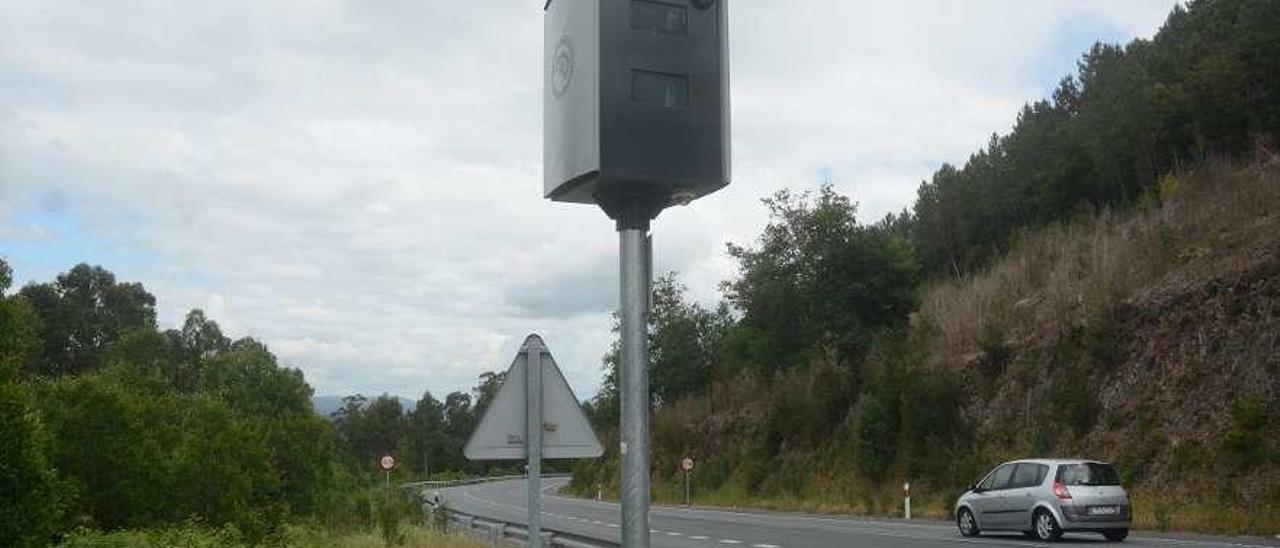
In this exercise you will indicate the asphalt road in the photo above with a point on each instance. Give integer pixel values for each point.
(674, 527)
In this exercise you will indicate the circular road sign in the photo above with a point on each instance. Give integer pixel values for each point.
(686, 464)
(387, 462)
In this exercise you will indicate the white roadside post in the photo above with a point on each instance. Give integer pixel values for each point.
(906, 488)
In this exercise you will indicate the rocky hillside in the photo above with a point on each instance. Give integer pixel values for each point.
(1156, 334)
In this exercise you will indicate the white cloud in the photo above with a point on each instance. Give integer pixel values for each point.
(358, 184)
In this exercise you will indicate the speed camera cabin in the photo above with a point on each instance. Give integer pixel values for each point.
(636, 101)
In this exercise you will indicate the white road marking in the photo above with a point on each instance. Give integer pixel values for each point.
(765, 546)
(1183, 541)
(673, 534)
(698, 537)
(729, 541)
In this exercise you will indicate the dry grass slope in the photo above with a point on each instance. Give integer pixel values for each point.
(1203, 224)
(1168, 316)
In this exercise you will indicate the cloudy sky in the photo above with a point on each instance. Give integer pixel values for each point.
(358, 184)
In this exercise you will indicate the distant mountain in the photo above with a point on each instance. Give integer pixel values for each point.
(326, 405)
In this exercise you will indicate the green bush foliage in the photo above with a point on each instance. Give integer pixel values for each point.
(875, 437)
(1245, 446)
(34, 498)
(194, 437)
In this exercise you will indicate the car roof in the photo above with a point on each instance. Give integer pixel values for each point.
(1053, 461)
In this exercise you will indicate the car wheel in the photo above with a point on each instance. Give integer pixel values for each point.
(1045, 526)
(1116, 535)
(968, 526)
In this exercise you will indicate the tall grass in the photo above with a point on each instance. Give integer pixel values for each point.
(1065, 276)
(361, 517)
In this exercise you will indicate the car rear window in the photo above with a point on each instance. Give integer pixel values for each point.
(1089, 473)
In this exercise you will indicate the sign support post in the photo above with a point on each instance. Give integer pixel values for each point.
(687, 466)
(387, 462)
(633, 374)
(686, 488)
(533, 443)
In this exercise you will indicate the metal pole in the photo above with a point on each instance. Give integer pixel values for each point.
(533, 441)
(686, 488)
(633, 375)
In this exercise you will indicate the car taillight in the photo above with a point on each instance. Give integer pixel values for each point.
(1060, 490)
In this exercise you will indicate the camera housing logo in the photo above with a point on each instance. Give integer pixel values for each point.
(562, 65)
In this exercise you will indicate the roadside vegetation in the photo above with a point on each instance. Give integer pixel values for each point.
(116, 433)
(1101, 282)
(299, 536)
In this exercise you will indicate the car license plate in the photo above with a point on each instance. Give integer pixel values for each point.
(1104, 510)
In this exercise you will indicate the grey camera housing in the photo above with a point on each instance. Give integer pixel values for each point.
(636, 101)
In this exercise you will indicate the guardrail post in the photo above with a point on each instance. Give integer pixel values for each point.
(496, 532)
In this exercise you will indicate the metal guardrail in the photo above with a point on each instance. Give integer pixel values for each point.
(468, 481)
(494, 531)
(499, 533)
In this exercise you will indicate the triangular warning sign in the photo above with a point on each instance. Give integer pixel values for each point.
(566, 434)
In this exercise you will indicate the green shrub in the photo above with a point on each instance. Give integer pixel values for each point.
(192, 534)
(1101, 340)
(874, 437)
(1163, 514)
(394, 509)
(1186, 458)
(32, 496)
(1244, 445)
(995, 351)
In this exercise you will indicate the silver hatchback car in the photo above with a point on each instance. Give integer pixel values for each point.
(1044, 498)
